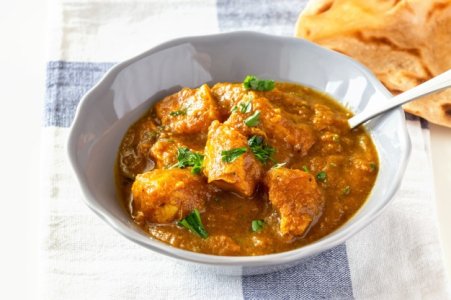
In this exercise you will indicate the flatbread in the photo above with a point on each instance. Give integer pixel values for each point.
(404, 43)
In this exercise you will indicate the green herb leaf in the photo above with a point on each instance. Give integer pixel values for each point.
(255, 140)
(257, 225)
(232, 154)
(261, 150)
(346, 190)
(187, 158)
(234, 109)
(305, 169)
(321, 176)
(245, 107)
(373, 167)
(253, 120)
(279, 165)
(253, 83)
(193, 223)
(180, 112)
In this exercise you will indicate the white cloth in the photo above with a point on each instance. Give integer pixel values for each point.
(396, 257)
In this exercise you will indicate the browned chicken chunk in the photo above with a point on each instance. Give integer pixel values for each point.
(135, 147)
(188, 111)
(240, 175)
(163, 196)
(228, 95)
(164, 151)
(276, 126)
(281, 129)
(297, 198)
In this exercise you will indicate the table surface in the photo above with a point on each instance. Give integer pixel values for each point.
(23, 28)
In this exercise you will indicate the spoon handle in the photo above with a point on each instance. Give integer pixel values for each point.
(433, 85)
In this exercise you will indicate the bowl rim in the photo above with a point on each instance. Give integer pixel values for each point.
(316, 247)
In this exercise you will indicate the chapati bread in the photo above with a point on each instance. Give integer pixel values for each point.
(404, 42)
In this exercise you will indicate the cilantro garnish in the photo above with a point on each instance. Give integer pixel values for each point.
(279, 165)
(253, 83)
(321, 176)
(193, 223)
(187, 158)
(257, 225)
(261, 150)
(180, 112)
(253, 120)
(373, 167)
(346, 190)
(232, 154)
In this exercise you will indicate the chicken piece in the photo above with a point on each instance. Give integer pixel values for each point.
(164, 196)
(280, 128)
(240, 175)
(164, 151)
(228, 95)
(297, 198)
(277, 126)
(293, 104)
(188, 111)
(135, 147)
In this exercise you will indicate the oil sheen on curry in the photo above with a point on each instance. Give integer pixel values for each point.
(247, 168)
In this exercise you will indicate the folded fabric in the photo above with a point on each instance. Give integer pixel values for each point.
(397, 257)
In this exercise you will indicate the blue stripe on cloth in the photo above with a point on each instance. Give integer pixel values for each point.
(325, 276)
(277, 17)
(67, 82)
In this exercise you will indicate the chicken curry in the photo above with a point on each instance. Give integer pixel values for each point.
(248, 168)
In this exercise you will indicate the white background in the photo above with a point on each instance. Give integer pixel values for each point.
(23, 50)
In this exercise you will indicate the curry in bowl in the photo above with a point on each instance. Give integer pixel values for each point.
(246, 168)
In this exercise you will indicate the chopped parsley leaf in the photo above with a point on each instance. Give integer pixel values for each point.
(373, 167)
(245, 107)
(187, 158)
(261, 150)
(257, 225)
(253, 83)
(305, 169)
(279, 165)
(193, 223)
(180, 112)
(232, 154)
(346, 190)
(253, 120)
(321, 176)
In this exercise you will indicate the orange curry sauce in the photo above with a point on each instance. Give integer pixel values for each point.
(318, 175)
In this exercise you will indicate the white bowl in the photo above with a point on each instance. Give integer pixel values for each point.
(131, 87)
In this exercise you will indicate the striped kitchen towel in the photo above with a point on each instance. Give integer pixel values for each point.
(397, 257)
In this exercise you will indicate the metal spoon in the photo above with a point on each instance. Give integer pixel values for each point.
(433, 85)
